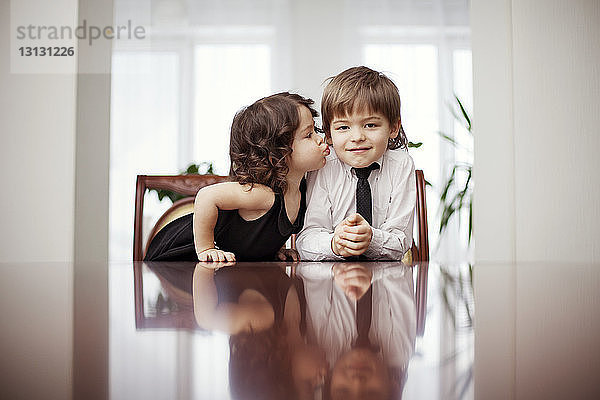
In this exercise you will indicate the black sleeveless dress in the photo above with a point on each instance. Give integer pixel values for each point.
(256, 240)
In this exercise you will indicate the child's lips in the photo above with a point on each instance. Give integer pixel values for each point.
(326, 151)
(359, 149)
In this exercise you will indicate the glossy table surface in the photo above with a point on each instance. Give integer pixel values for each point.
(299, 330)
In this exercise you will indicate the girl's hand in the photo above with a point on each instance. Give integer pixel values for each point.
(216, 255)
(213, 266)
(288, 254)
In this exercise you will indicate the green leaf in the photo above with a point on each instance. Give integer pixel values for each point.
(415, 145)
(471, 276)
(192, 169)
(464, 113)
(196, 169)
(470, 218)
(448, 138)
(175, 196)
(447, 185)
(446, 214)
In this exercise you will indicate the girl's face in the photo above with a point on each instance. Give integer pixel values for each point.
(308, 148)
(309, 370)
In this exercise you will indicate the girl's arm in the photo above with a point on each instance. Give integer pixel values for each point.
(224, 196)
(230, 318)
(292, 316)
(204, 293)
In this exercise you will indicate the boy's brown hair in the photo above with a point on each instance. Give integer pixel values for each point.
(362, 88)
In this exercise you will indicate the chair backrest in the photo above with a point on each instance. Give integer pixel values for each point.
(187, 185)
(420, 249)
(420, 253)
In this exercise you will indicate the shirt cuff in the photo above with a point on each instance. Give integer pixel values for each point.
(317, 247)
(315, 270)
(330, 254)
(375, 249)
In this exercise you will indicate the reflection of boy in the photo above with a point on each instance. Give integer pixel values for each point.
(331, 314)
(361, 119)
(361, 374)
(331, 323)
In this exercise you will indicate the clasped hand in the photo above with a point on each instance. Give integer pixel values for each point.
(354, 279)
(352, 236)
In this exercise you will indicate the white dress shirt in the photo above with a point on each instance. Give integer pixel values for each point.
(331, 196)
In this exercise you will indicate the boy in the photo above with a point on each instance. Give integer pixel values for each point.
(362, 202)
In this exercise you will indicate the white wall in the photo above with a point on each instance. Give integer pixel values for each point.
(54, 208)
(54, 153)
(37, 149)
(536, 121)
(37, 336)
(93, 136)
(37, 112)
(318, 46)
(536, 92)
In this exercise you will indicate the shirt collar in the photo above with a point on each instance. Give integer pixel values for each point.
(348, 169)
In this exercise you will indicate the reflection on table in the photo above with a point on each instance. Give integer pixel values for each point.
(305, 330)
(129, 331)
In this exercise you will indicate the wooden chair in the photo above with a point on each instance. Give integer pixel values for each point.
(187, 185)
(420, 252)
(420, 249)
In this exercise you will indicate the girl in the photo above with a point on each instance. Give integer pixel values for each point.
(273, 144)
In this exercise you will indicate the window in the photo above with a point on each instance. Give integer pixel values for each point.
(173, 106)
(227, 78)
(144, 129)
(428, 69)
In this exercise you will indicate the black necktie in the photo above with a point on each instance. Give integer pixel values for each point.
(364, 309)
(364, 204)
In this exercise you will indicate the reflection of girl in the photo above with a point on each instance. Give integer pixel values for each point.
(176, 281)
(332, 324)
(261, 309)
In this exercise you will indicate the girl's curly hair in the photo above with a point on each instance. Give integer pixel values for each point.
(261, 139)
(260, 365)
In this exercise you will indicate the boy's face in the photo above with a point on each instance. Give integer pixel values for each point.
(361, 138)
(360, 374)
